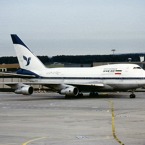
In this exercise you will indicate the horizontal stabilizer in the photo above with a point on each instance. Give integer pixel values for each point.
(12, 75)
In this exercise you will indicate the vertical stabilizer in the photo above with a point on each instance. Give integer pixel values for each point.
(26, 58)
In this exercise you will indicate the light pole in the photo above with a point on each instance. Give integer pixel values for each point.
(113, 50)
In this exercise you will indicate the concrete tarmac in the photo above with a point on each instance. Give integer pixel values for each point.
(49, 119)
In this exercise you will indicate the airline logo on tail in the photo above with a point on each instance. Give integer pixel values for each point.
(27, 60)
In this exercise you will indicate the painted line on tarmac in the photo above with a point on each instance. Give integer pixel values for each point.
(113, 124)
(30, 141)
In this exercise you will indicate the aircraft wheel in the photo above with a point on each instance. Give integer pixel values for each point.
(68, 97)
(80, 95)
(132, 96)
(94, 94)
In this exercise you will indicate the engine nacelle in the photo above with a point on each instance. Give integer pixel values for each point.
(70, 91)
(24, 89)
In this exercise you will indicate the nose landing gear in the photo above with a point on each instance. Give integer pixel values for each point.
(132, 95)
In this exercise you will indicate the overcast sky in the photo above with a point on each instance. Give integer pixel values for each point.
(73, 27)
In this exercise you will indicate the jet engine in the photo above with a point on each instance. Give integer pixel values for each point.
(24, 89)
(70, 91)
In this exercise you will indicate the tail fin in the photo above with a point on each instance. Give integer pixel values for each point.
(26, 58)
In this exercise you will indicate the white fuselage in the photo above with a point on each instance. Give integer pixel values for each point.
(114, 77)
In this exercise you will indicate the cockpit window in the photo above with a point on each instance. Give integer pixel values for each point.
(137, 68)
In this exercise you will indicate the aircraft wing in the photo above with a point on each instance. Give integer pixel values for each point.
(57, 83)
(87, 86)
(14, 75)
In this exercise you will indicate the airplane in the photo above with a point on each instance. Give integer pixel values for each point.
(74, 81)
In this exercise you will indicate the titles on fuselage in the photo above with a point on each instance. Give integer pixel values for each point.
(111, 70)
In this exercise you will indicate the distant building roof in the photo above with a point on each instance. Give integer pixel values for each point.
(10, 66)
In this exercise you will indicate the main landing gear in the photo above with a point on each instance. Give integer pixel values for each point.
(73, 97)
(132, 96)
(93, 94)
